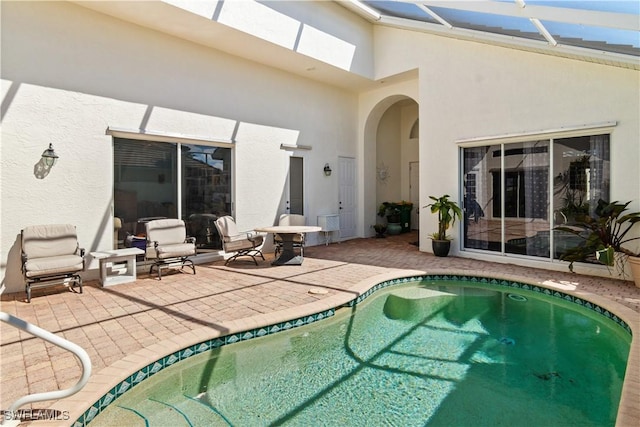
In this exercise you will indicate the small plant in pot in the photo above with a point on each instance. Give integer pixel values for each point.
(604, 236)
(392, 212)
(380, 230)
(448, 211)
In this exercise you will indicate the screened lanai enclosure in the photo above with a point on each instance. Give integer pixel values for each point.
(602, 25)
(525, 112)
(514, 189)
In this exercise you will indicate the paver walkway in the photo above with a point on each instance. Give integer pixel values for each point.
(112, 323)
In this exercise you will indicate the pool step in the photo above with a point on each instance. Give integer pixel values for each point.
(125, 416)
(149, 413)
(188, 412)
(415, 304)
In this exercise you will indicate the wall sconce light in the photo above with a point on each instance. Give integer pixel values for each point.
(49, 156)
(327, 169)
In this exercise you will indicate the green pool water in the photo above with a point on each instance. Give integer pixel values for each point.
(424, 354)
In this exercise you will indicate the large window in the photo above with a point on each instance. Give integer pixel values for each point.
(171, 180)
(515, 194)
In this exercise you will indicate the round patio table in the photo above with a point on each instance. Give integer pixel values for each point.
(288, 232)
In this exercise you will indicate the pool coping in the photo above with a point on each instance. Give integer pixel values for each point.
(96, 394)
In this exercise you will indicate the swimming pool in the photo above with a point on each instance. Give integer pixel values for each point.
(423, 353)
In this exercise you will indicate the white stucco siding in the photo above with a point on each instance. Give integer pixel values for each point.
(474, 90)
(490, 91)
(69, 73)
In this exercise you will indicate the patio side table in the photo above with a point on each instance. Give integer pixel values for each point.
(329, 223)
(117, 266)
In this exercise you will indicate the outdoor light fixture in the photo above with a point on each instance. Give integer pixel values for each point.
(327, 169)
(49, 156)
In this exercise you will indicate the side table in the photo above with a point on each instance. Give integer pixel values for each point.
(329, 223)
(117, 266)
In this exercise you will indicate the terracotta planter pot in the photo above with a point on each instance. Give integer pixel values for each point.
(634, 264)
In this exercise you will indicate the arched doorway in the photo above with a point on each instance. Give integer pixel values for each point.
(392, 151)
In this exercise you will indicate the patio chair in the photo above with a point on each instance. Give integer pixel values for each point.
(298, 240)
(168, 245)
(238, 243)
(51, 256)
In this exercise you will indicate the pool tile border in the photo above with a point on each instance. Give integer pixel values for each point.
(498, 282)
(192, 350)
(214, 343)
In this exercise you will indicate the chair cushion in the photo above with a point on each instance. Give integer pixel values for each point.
(297, 239)
(228, 229)
(39, 241)
(166, 231)
(292, 219)
(49, 266)
(172, 251)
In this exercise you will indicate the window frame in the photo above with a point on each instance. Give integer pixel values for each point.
(505, 140)
(178, 140)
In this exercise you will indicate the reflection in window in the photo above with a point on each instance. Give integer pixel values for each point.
(206, 191)
(147, 176)
(144, 175)
(481, 230)
(506, 187)
(581, 178)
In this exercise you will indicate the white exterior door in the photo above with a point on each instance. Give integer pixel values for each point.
(347, 196)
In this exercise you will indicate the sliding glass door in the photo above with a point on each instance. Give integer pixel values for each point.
(206, 191)
(171, 180)
(515, 194)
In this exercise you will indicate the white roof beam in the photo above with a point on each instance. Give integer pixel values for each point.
(621, 21)
(362, 9)
(545, 33)
(541, 28)
(435, 16)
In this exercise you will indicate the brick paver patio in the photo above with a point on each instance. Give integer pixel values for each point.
(150, 316)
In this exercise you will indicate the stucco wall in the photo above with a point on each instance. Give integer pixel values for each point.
(470, 90)
(68, 73)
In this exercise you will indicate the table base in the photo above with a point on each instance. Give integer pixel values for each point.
(288, 259)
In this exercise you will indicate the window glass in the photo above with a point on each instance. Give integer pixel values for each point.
(526, 198)
(581, 178)
(507, 200)
(482, 230)
(206, 191)
(147, 176)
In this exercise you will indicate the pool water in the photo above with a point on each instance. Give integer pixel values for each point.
(423, 354)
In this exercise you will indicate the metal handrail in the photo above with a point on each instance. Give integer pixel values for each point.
(79, 352)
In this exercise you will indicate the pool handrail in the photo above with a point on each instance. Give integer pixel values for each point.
(9, 417)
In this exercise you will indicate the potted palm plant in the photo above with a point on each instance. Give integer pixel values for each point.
(604, 236)
(447, 211)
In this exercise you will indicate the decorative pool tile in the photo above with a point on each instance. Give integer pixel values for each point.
(231, 339)
(203, 347)
(124, 386)
(155, 367)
